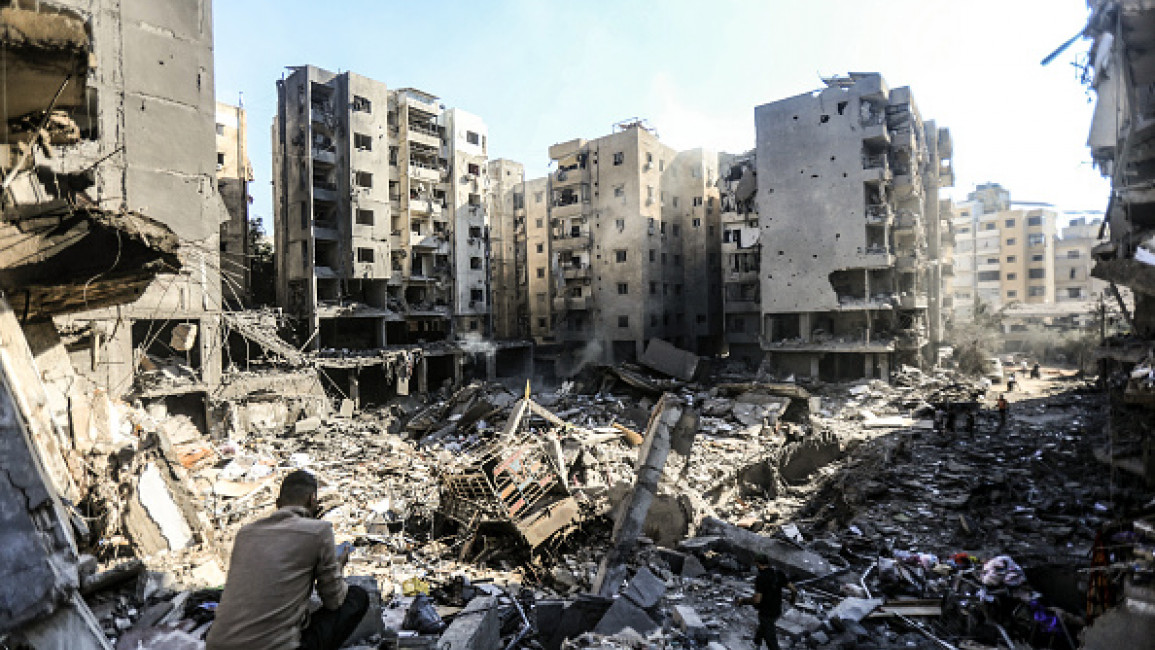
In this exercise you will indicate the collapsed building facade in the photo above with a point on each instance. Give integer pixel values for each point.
(1121, 138)
(623, 245)
(111, 114)
(741, 256)
(847, 203)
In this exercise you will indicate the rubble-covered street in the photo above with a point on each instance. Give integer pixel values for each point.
(900, 526)
(801, 355)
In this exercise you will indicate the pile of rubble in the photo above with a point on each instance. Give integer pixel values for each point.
(622, 510)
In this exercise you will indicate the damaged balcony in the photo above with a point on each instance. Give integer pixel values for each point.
(576, 239)
(423, 133)
(61, 259)
(879, 214)
(573, 303)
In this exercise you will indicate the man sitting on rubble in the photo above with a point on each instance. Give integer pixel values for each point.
(767, 599)
(275, 563)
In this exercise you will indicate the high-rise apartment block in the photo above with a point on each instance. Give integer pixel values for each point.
(623, 247)
(380, 202)
(1004, 252)
(741, 256)
(850, 234)
(508, 255)
(234, 173)
(1073, 261)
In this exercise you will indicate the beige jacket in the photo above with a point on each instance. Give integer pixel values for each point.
(275, 563)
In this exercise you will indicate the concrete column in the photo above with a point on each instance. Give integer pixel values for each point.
(884, 367)
(868, 366)
(491, 365)
(804, 327)
(814, 366)
(355, 386)
(382, 333)
(421, 369)
(458, 373)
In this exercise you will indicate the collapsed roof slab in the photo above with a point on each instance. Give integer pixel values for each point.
(58, 259)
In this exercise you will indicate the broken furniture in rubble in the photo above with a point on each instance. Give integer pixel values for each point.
(513, 481)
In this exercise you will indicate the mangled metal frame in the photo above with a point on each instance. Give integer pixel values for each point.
(516, 479)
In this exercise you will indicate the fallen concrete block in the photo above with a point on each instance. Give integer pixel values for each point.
(477, 627)
(798, 623)
(689, 622)
(670, 360)
(645, 589)
(692, 567)
(625, 614)
(855, 609)
(308, 425)
(745, 546)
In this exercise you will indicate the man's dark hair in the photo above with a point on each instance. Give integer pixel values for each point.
(762, 559)
(297, 488)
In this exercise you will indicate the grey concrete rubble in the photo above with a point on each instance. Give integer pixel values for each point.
(777, 393)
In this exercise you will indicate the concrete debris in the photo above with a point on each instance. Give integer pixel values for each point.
(552, 525)
(670, 360)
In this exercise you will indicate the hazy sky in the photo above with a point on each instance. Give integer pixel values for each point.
(542, 72)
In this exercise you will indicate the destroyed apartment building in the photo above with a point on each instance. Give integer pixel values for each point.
(382, 234)
(623, 249)
(741, 348)
(850, 230)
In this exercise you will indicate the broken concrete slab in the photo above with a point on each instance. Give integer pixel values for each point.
(632, 516)
(855, 609)
(690, 623)
(670, 360)
(477, 627)
(625, 614)
(692, 567)
(307, 425)
(745, 546)
(645, 589)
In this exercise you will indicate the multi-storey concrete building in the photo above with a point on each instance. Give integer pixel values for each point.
(741, 256)
(623, 248)
(234, 173)
(1004, 251)
(1073, 261)
(847, 201)
(508, 254)
(140, 95)
(379, 198)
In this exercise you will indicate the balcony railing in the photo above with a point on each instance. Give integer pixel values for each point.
(875, 161)
(879, 213)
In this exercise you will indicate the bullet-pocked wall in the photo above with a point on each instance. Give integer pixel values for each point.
(151, 87)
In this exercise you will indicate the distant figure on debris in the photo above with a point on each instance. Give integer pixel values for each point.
(1011, 382)
(1002, 406)
(939, 418)
(767, 599)
(1035, 374)
(971, 421)
(275, 563)
(951, 418)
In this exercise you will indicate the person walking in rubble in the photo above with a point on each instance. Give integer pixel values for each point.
(767, 599)
(276, 562)
(1002, 407)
